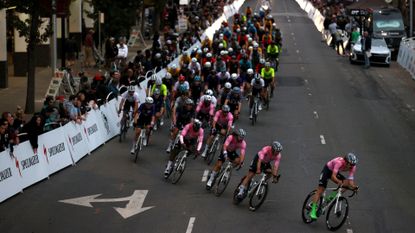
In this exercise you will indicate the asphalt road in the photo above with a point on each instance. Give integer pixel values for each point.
(320, 96)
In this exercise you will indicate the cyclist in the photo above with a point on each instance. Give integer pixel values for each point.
(232, 143)
(191, 135)
(224, 92)
(181, 81)
(184, 115)
(273, 51)
(222, 123)
(129, 99)
(262, 162)
(159, 103)
(209, 92)
(257, 89)
(161, 86)
(247, 81)
(268, 74)
(234, 101)
(235, 81)
(196, 88)
(205, 109)
(331, 171)
(144, 119)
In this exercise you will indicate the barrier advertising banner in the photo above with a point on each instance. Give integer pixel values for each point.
(77, 141)
(54, 150)
(31, 167)
(93, 131)
(10, 181)
(111, 118)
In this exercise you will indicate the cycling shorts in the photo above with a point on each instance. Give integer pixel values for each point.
(267, 82)
(325, 175)
(231, 155)
(264, 166)
(142, 122)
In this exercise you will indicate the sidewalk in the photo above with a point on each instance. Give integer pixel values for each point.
(15, 94)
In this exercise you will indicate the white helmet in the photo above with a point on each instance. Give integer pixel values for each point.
(262, 61)
(168, 41)
(149, 100)
(168, 75)
(228, 85)
(255, 45)
(208, 55)
(174, 66)
(205, 50)
(158, 81)
(208, 98)
(194, 59)
(234, 76)
(250, 71)
(209, 92)
(220, 45)
(208, 64)
(230, 50)
(131, 88)
(222, 52)
(153, 77)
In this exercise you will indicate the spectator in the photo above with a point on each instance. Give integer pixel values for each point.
(34, 128)
(122, 53)
(366, 42)
(19, 117)
(111, 51)
(51, 118)
(71, 49)
(72, 107)
(89, 49)
(339, 42)
(333, 31)
(84, 84)
(12, 131)
(4, 136)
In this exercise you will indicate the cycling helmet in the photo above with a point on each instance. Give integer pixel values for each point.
(257, 77)
(131, 88)
(157, 91)
(208, 98)
(276, 146)
(149, 100)
(158, 81)
(208, 55)
(228, 85)
(158, 55)
(222, 52)
(225, 108)
(197, 78)
(241, 134)
(188, 101)
(199, 51)
(183, 88)
(208, 64)
(230, 50)
(168, 75)
(194, 59)
(209, 92)
(205, 50)
(197, 124)
(262, 61)
(351, 158)
(249, 39)
(174, 66)
(256, 45)
(250, 71)
(153, 77)
(267, 64)
(182, 78)
(220, 45)
(236, 90)
(234, 76)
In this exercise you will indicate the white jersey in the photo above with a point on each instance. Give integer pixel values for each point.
(214, 100)
(130, 98)
(256, 85)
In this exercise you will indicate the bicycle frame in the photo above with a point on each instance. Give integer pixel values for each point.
(261, 181)
(326, 203)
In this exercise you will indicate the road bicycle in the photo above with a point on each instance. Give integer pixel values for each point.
(257, 191)
(224, 176)
(335, 205)
(179, 166)
(215, 148)
(139, 144)
(124, 125)
(255, 109)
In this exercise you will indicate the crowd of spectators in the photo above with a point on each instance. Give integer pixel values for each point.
(58, 111)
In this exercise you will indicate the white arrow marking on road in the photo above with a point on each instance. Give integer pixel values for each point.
(205, 174)
(133, 207)
(315, 114)
(190, 225)
(323, 141)
(349, 231)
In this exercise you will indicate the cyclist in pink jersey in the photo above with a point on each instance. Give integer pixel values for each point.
(233, 142)
(205, 109)
(331, 171)
(191, 135)
(262, 163)
(222, 123)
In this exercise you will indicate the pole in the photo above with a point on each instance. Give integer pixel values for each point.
(3, 51)
(411, 18)
(63, 32)
(99, 31)
(53, 49)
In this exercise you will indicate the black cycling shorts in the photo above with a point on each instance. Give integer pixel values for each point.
(231, 155)
(264, 166)
(256, 91)
(219, 127)
(267, 81)
(142, 122)
(325, 175)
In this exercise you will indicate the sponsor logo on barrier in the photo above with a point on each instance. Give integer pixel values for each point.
(75, 139)
(29, 162)
(5, 174)
(54, 150)
(45, 153)
(93, 129)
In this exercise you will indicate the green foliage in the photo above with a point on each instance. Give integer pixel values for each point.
(120, 16)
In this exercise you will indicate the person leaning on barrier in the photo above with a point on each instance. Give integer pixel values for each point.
(34, 128)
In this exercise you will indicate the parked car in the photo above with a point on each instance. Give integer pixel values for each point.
(381, 54)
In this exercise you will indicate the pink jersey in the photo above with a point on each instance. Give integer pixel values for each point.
(204, 108)
(266, 155)
(339, 164)
(189, 133)
(223, 119)
(232, 144)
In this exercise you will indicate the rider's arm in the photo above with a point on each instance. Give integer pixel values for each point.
(335, 170)
(263, 72)
(276, 165)
(153, 115)
(200, 139)
(183, 134)
(199, 106)
(212, 109)
(261, 156)
(227, 142)
(272, 73)
(215, 119)
(243, 149)
(230, 121)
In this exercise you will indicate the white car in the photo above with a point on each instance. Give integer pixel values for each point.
(381, 54)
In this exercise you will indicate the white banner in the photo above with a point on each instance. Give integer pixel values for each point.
(78, 144)
(31, 166)
(54, 149)
(93, 130)
(10, 181)
(111, 118)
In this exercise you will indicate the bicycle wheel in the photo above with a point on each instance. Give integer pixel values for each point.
(253, 119)
(212, 152)
(305, 213)
(137, 148)
(258, 197)
(336, 216)
(236, 199)
(222, 181)
(179, 166)
(122, 130)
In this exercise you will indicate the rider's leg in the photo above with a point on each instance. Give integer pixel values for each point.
(137, 133)
(245, 182)
(215, 170)
(173, 135)
(316, 197)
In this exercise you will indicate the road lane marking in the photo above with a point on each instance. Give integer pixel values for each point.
(309, 94)
(292, 33)
(315, 114)
(191, 224)
(297, 51)
(205, 174)
(349, 231)
(323, 141)
(302, 67)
